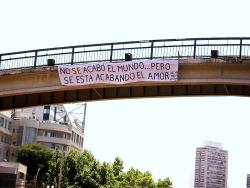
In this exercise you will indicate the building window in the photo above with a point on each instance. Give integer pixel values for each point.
(2, 139)
(10, 126)
(1, 121)
(53, 134)
(21, 176)
(46, 112)
(47, 133)
(5, 124)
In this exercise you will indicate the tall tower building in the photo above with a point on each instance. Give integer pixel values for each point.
(211, 166)
(248, 180)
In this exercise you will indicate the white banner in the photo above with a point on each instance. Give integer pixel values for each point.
(119, 73)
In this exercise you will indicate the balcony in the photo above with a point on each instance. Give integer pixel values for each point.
(55, 140)
(54, 127)
(5, 131)
(76, 146)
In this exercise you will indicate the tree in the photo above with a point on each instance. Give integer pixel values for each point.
(36, 157)
(78, 169)
(117, 166)
(165, 183)
(87, 169)
(83, 170)
(70, 166)
(54, 164)
(137, 179)
(107, 178)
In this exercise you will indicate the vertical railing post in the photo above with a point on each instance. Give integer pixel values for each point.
(152, 50)
(111, 53)
(240, 48)
(35, 60)
(194, 54)
(72, 56)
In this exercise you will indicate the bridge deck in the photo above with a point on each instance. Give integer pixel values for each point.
(208, 66)
(199, 77)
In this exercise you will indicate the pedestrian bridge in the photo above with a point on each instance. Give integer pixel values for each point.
(207, 67)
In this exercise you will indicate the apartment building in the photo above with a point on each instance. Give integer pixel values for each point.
(211, 166)
(6, 148)
(49, 125)
(248, 181)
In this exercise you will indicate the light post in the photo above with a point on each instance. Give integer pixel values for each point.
(60, 172)
(40, 166)
(37, 176)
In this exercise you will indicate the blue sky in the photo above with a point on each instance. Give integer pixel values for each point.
(159, 135)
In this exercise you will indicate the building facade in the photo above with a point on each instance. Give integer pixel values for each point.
(48, 125)
(248, 181)
(6, 148)
(12, 174)
(211, 166)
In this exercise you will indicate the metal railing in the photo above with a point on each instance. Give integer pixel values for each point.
(238, 47)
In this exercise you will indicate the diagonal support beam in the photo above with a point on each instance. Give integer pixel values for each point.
(99, 95)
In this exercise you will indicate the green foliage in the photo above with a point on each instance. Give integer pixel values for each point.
(70, 166)
(87, 170)
(135, 178)
(83, 170)
(164, 183)
(117, 166)
(36, 157)
(54, 164)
